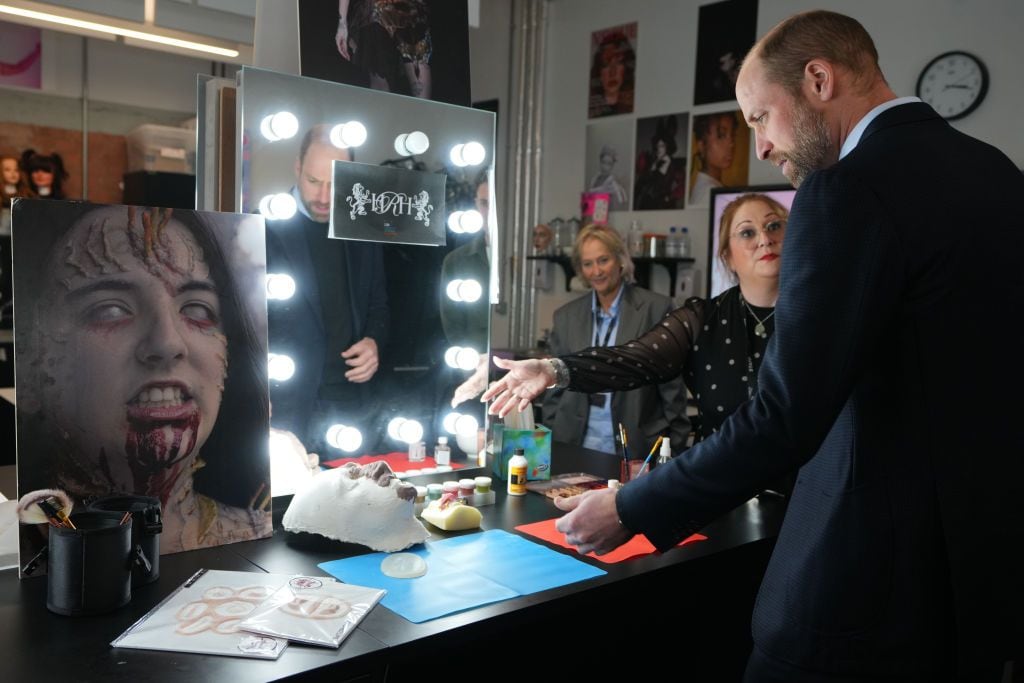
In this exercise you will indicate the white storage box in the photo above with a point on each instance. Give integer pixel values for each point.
(161, 148)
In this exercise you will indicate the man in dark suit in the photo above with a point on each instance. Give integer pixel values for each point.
(338, 318)
(891, 382)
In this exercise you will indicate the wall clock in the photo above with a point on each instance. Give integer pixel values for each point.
(954, 84)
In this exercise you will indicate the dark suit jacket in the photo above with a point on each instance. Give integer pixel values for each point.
(646, 412)
(892, 382)
(296, 326)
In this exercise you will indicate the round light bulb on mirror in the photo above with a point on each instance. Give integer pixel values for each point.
(466, 425)
(350, 134)
(280, 286)
(410, 431)
(280, 367)
(400, 145)
(473, 153)
(393, 426)
(451, 356)
(471, 221)
(417, 142)
(279, 126)
(456, 155)
(460, 423)
(452, 290)
(467, 358)
(278, 207)
(345, 438)
(455, 222)
(469, 291)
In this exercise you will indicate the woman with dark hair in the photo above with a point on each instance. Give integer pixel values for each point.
(46, 174)
(660, 175)
(714, 144)
(612, 76)
(139, 369)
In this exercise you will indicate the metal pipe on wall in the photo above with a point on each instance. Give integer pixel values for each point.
(528, 44)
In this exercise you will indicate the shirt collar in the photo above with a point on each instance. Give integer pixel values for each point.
(300, 204)
(853, 139)
(613, 310)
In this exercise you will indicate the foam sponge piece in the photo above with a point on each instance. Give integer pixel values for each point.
(403, 566)
(452, 517)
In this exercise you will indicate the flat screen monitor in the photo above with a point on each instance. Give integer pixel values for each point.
(719, 278)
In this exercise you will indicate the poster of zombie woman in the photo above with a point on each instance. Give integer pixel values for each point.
(140, 355)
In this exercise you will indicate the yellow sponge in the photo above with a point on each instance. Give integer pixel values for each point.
(454, 516)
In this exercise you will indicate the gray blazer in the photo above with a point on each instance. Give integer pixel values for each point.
(646, 412)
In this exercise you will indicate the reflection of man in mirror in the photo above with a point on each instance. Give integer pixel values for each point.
(334, 324)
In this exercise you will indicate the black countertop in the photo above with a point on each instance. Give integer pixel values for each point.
(707, 589)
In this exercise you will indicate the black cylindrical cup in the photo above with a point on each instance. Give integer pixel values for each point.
(89, 567)
(146, 528)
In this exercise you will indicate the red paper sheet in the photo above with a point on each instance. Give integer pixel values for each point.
(638, 546)
(398, 461)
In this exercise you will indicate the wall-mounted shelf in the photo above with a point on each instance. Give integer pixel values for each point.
(643, 268)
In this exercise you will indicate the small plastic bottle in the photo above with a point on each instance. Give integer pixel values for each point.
(665, 454)
(635, 239)
(672, 243)
(517, 465)
(684, 249)
(417, 451)
(442, 453)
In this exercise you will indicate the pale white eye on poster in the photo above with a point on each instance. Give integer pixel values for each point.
(351, 134)
(278, 207)
(280, 286)
(280, 367)
(345, 438)
(279, 126)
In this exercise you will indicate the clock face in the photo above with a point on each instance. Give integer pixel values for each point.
(954, 84)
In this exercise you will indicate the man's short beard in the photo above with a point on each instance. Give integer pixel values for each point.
(812, 146)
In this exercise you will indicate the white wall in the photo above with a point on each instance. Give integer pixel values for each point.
(908, 34)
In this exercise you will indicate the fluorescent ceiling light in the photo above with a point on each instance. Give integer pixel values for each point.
(117, 31)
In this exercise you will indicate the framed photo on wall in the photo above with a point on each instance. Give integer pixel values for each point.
(720, 154)
(612, 71)
(660, 167)
(725, 33)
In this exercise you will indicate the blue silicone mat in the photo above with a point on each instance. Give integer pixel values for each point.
(464, 572)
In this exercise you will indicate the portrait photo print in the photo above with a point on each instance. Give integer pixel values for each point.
(612, 70)
(141, 355)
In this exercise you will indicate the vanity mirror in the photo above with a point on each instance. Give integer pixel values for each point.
(410, 319)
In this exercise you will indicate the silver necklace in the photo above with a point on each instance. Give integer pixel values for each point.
(759, 327)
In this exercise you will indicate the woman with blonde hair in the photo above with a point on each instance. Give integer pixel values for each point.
(615, 309)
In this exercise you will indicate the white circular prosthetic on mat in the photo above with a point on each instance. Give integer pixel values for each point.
(403, 566)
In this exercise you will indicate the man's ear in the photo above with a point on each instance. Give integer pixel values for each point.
(298, 170)
(819, 80)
